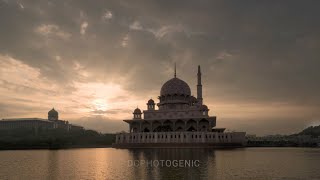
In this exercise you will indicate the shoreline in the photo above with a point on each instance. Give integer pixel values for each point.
(56, 148)
(110, 146)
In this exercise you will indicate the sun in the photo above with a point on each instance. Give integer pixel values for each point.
(100, 104)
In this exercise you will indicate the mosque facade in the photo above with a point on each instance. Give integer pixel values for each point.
(181, 120)
(53, 122)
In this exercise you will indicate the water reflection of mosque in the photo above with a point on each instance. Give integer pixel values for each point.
(205, 169)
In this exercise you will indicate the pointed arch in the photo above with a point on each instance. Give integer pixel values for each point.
(204, 125)
(179, 125)
(191, 125)
(156, 126)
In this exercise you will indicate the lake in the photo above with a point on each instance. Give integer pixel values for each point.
(110, 163)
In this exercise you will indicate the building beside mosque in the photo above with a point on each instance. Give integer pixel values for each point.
(181, 120)
(53, 122)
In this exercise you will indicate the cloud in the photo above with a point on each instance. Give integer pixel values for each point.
(164, 30)
(125, 40)
(51, 29)
(107, 15)
(135, 26)
(83, 28)
(223, 55)
(20, 5)
(110, 111)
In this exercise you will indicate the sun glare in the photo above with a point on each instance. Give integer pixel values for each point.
(103, 97)
(100, 104)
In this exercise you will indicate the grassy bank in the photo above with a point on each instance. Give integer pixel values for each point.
(53, 139)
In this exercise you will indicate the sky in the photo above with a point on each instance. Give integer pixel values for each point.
(96, 61)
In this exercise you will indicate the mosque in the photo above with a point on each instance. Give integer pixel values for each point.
(181, 120)
(53, 122)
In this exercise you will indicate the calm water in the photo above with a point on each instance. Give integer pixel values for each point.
(109, 163)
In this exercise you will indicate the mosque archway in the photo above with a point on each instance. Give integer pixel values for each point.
(204, 125)
(191, 123)
(156, 125)
(179, 125)
(146, 125)
(135, 127)
(167, 126)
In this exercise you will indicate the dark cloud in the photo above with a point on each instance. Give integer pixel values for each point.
(253, 51)
(111, 111)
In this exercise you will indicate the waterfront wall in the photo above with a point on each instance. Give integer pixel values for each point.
(181, 138)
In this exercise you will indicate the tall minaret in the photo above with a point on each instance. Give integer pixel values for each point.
(175, 70)
(199, 87)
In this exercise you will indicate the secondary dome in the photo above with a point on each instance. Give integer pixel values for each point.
(151, 101)
(137, 111)
(204, 107)
(175, 86)
(52, 112)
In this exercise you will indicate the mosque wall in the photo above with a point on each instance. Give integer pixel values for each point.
(173, 114)
(181, 137)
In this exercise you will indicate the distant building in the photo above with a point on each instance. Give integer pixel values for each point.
(52, 122)
(180, 120)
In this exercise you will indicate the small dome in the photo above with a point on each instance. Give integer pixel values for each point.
(151, 101)
(137, 111)
(175, 86)
(53, 112)
(204, 107)
(193, 99)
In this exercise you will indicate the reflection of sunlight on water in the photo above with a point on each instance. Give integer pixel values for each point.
(109, 163)
(163, 171)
